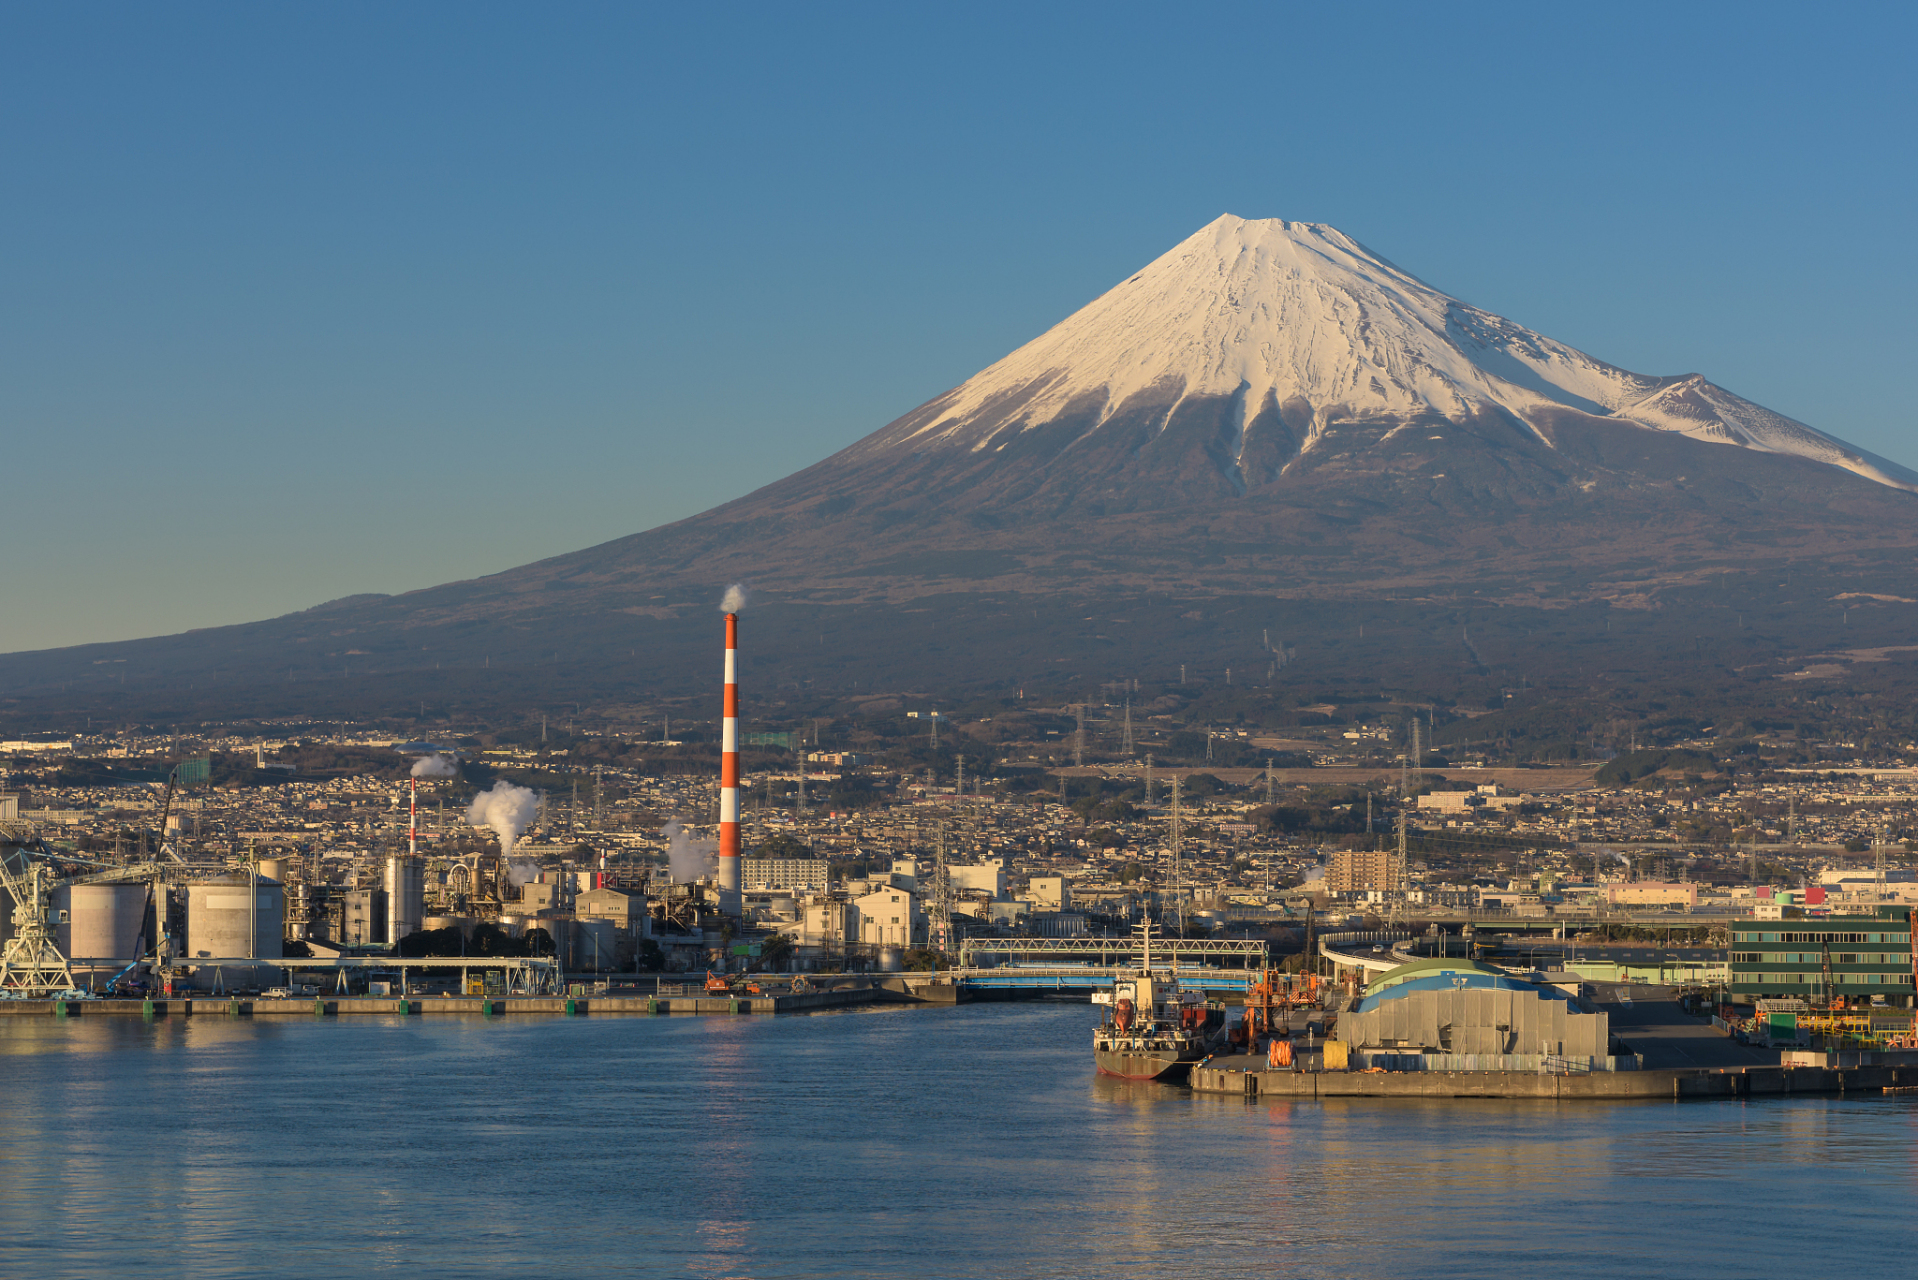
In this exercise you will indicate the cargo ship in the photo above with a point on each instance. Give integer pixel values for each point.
(1154, 1030)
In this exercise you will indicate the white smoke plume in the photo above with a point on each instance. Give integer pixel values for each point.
(735, 598)
(522, 871)
(506, 811)
(690, 858)
(434, 766)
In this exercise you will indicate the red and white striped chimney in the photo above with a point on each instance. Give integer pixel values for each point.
(413, 820)
(729, 768)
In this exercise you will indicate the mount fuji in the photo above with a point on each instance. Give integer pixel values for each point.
(1270, 426)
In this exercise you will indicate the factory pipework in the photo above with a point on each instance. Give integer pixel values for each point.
(729, 775)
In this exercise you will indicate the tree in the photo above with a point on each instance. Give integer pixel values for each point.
(775, 952)
(783, 844)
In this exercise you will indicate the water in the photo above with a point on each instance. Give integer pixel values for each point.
(905, 1142)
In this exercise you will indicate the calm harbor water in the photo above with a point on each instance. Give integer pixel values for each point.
(914, 1142)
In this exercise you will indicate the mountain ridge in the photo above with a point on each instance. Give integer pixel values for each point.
(1269, 413)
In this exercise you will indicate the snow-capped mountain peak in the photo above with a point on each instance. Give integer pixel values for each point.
(1300, 320)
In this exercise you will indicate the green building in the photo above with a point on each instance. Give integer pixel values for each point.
(1870, 956)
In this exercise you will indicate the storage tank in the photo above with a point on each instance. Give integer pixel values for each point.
(463, 923)
(593, 942)
(512, 925)
(234, 917)
(560, 929)
(105, 922)
(891, 960)
(405, 897)
(273, 869)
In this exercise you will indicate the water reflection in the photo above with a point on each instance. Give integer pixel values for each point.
(972, 1141)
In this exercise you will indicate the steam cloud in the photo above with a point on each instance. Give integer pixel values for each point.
(522, 871)
(433, 766)
(735, 598)
(690, 858)
(506, 810)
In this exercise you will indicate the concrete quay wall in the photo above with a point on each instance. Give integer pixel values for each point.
(1665, 1084)
(259, 1007)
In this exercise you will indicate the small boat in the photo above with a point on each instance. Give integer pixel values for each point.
(1155, 1029)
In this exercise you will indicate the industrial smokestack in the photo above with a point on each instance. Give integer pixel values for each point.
(729, 767)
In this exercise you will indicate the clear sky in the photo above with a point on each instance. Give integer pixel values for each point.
(299, 301)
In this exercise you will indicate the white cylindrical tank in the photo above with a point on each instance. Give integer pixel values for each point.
(405, 897)
(512, 926)
(463, 923)
(234, 918)
(891, 960)
(273, 869)
(104, 922)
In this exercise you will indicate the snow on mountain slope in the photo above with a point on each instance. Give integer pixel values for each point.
(1300, 316)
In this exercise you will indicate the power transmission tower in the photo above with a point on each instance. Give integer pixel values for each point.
(802, 784)
(1178, 866)
(1148, 779)
(959, 780)
(1403, 878)
(941, 913)
(1270, 781)
(1418, 758)
(1128, 726)
(1079, 735)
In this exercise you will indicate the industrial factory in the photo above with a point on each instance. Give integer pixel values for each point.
(472, 916)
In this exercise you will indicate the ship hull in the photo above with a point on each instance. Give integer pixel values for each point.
(1142, 1065)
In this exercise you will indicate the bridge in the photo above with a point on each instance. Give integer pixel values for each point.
(1085, 978)
(989, 953)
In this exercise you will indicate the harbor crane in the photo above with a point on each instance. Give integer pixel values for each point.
(31, 962)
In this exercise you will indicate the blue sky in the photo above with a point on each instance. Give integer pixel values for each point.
(306, 300)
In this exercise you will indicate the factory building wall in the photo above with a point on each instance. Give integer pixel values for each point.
(1478, 1020)
(1870, 955)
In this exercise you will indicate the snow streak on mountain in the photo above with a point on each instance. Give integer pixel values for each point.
(1299, 326)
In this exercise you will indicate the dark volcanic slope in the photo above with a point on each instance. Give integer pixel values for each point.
(1268, 434)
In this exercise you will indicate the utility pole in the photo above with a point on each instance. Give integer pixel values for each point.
(802, 784)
